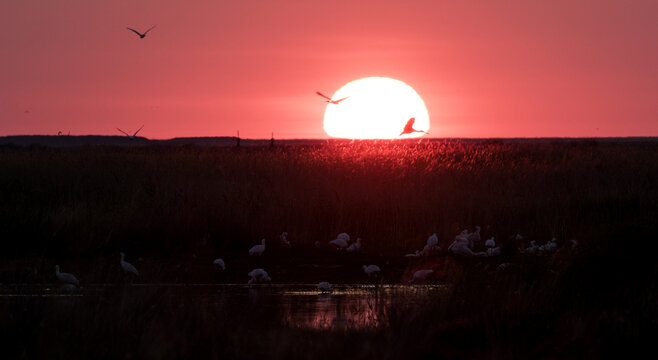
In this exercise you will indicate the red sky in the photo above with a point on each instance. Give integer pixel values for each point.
(517, 68)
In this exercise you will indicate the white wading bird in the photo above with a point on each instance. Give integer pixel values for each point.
(371, 270)
(141, 36)
(354, 246)
(127, 267)
(131, 137)
(283, 240)
(325, 287)
(414, 255)
(258, 249)
(463, 245)
(329, 100)
(342, 241)
(258, 276)
(432, 245)
(420, 275)
(66, 278)
(219, 263)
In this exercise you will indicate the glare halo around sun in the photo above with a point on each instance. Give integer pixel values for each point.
(377, 108)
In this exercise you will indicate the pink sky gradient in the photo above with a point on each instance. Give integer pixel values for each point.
(484, 68)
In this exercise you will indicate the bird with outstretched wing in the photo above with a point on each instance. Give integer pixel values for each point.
(409, 127)
(141, 36)
(330, 100)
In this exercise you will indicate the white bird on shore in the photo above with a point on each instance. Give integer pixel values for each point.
(420, 275)
(66, 278)
(490, 243)
(69, 288)
(325, 287)
(414, 255)
(339, 243)
(283, 240)
(551, 245)
(220, 263)
(354, 246)
(431, 246)
(258, 249)
(258, 276)
(533, 248)
(371, 270)
(127, 267)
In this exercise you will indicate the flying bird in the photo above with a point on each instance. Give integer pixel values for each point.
(330, 100)
(141, 36)
(131, 136)
(409, 127)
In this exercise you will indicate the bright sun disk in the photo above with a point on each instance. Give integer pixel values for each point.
(376, 108)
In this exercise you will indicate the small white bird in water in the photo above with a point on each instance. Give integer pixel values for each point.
(371, 270)
(258, 249)
(420, 275)
(325, 287)
(66, 278)
(127, 267)
(258, 276)
(220, 263)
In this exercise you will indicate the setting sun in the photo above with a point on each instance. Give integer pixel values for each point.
(375, 108)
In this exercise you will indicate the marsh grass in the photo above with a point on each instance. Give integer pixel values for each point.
(79, 207)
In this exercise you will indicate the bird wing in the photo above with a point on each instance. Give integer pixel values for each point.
(409, 127)
(149, 29)
(339, 100)
(123, 132)
(324, 96)
(135, 31)
(138, 130)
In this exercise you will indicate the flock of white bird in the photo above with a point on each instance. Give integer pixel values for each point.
(462, 245)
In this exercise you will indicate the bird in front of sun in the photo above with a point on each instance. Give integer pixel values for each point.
(141, 36)
(330, 100)
(131, 137)
(409, 127)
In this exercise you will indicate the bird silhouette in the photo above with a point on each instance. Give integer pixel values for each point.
(330, 100)
(409, 127)
(131, 136)
(141, 36)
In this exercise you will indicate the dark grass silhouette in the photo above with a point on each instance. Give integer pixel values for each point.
(80, 206)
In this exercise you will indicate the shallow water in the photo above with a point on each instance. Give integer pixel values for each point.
(298, 306)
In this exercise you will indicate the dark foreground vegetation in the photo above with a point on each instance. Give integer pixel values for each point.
(173, 209)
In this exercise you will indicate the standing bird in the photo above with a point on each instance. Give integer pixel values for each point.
(219, 263)
(371, 270)
(258, 249)
(420, 275)
(131, 137)
(66, 278)
(409, 127)
(127, 267)
(354, 246)
(325, 287)
(141, 36)
(330, 100)
(258, 276)
(341, 242)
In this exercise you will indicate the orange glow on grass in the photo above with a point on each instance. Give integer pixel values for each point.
(376, 108)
